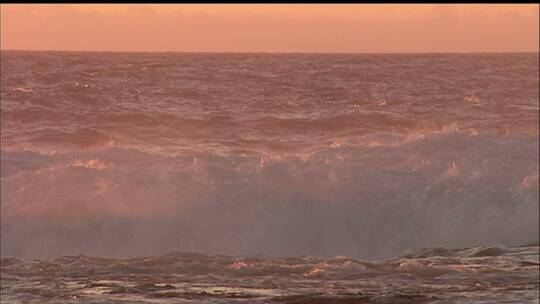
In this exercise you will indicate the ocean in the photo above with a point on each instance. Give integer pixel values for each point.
(269, 178)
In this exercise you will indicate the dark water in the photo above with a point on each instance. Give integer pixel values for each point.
(364, 156)
(437, 275)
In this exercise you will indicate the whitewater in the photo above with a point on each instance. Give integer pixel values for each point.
(269, 178)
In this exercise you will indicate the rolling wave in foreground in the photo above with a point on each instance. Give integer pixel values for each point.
(339, 162)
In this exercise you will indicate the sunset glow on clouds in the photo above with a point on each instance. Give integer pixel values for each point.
(272, 28)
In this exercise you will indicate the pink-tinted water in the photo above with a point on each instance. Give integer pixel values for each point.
(365, 156)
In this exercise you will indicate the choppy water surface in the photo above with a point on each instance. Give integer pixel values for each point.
(436, 275)
(365, 156)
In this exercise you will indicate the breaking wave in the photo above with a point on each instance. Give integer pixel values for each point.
(372, 196)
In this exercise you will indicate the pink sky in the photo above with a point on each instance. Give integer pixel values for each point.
(272, 27)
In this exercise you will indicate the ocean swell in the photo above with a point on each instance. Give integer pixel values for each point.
(365, 197)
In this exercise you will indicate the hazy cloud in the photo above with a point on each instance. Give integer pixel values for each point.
(271, 28)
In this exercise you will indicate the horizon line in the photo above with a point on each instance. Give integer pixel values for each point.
(275, 52)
